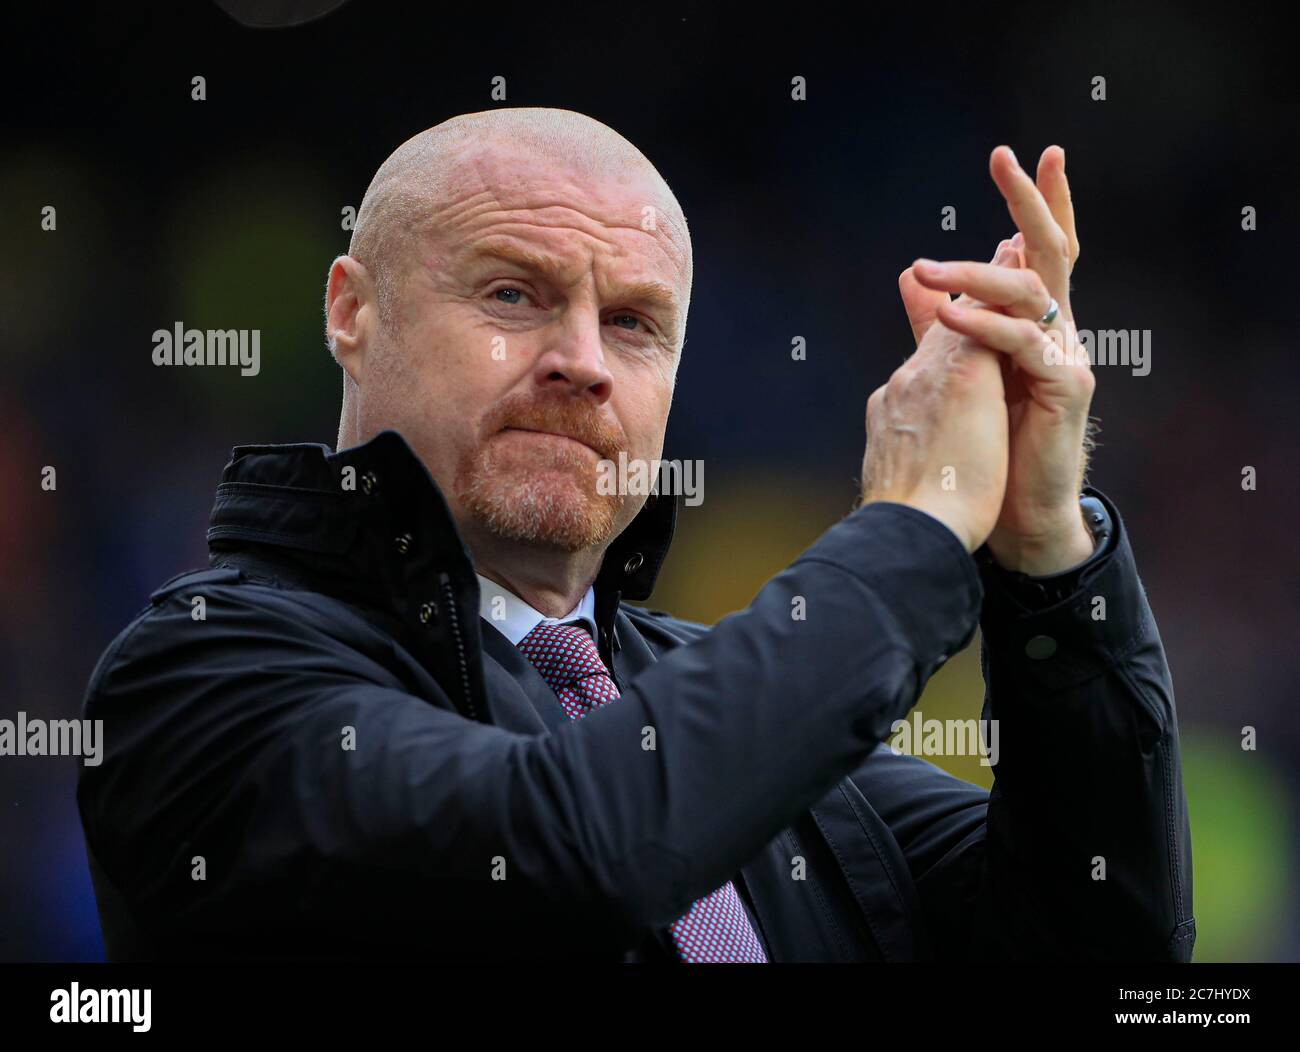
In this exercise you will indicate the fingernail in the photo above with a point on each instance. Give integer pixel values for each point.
(1018, 240)
(1012, 154)
(928, 266)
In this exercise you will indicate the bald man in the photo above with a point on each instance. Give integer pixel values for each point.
(409, 711)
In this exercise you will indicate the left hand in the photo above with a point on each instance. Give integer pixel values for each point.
(1040, 529)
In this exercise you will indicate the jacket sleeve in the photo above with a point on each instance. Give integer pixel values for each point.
(266, 773)
(1082, 848)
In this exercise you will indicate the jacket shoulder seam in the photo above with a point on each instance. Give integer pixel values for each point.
(109, 658)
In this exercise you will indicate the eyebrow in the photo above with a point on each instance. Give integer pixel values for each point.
(651, 293)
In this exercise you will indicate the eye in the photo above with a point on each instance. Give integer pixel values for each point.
(626, 321)
(509, 295)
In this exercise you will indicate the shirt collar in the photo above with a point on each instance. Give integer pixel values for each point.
(514, 618)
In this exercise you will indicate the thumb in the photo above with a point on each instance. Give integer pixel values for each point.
(920, 303)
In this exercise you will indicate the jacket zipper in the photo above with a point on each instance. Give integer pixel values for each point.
(450, 596)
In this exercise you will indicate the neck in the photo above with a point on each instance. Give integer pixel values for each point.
(548, 580)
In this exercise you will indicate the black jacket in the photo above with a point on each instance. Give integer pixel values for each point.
(228, 818)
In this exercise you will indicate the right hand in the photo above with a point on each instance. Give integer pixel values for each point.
(937, 433)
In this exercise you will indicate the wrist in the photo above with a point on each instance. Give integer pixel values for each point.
(1049, 551)
(944, 513)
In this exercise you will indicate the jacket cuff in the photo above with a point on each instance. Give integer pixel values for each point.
(1040, 592)
(1098, 626)
(919, 570)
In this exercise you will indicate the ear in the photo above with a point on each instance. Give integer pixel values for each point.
(351, 314)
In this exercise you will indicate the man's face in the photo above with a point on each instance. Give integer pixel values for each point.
(536, 331)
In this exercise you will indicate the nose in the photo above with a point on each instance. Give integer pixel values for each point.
(574, 359)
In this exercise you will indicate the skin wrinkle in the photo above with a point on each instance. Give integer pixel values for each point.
(413, 312)
(537, 215)
(670, 213)
(658, 293)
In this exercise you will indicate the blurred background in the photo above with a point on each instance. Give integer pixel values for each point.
(226, 213)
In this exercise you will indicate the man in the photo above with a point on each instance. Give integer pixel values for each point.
(417, 717)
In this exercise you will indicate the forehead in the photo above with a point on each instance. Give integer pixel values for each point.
(621, 219)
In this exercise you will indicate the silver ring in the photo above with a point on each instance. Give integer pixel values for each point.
(1051, 314)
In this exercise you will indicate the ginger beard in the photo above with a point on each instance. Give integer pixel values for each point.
(521, 485)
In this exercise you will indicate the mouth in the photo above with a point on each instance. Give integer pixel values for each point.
(550, 434)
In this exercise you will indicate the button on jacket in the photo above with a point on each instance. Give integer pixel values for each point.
(334, 756)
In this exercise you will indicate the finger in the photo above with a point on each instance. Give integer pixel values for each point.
(1021, 293)
(1067, 374)
(1055, 188)
(1018, 244)
(1003, 256)
(1046, 245)
(1010, 255)
(919, 302)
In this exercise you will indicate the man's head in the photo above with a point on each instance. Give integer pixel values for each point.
(515, 276)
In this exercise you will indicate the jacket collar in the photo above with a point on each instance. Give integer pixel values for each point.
(378, 502)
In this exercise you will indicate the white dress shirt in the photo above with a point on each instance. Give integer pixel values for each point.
(514, 618)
